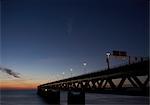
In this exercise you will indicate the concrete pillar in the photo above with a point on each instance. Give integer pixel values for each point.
(39, 91)
(76, 98)
(51, 96)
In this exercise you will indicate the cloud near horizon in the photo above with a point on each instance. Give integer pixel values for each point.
(10, 72)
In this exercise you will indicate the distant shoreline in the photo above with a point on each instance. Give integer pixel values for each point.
(16, 89)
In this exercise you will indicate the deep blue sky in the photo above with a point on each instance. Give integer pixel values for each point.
(42, 38)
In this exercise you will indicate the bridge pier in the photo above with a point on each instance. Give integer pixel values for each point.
(51, 96)
(76, 98)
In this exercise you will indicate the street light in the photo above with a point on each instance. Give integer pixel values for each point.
(71, 71)
(84, 65)
(108, 54)
(107, 59)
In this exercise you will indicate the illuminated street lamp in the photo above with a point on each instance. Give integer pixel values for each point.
(71, 71)
(107, 59)
(84, 65)
(108, 54)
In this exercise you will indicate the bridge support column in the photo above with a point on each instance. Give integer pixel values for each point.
(76, 98)
(50, 96)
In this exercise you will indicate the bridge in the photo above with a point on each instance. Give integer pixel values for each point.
(127, 79)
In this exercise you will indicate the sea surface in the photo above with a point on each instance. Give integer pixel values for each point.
(29, 97)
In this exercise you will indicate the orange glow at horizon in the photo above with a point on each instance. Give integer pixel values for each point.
(16, 84)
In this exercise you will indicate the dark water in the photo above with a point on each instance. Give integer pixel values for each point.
(29, 97)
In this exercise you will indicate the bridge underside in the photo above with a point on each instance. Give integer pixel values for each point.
(130, 79)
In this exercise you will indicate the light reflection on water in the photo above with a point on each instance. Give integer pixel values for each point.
(29, 97)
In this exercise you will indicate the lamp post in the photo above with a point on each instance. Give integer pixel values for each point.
(107, 59)
(84, 65)
(71, 71)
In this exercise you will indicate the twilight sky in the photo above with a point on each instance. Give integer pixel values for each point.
(40, 39)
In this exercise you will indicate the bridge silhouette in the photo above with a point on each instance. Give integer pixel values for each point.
(127, 79)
